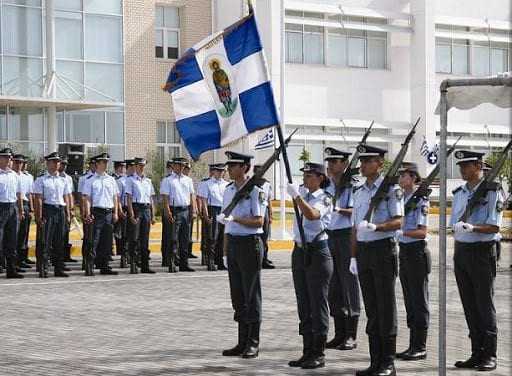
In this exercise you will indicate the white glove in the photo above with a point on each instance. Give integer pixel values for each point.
(353, 266)
(463, 227)
(221, 218)
(366, 226)
(399, 233)
(225, 261)
(293, 190)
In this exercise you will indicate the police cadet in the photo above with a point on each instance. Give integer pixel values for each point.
(207, 255)
(165, 245)
(211, 192)
(373, 245)
(267, 225)
(11, 211)
(81, 180)
(139, 192)
(192, 211)
(120, 226)
(344, 300)
(243, 252)
(179, 199)
(100, 195)
(312, 265)
(475, 260)
(52, 211)
(69, 180)
(415, 264)
(26, 182)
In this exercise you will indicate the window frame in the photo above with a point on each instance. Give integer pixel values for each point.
(165, 30)
(167, 145)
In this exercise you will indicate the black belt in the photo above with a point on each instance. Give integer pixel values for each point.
(318, 244)
(475, 245)
(179, 208)
(242, 237)
(339, 231)
(102, 210)
(214, 207)
(52, 206)
(141, 205)
(376, 243)
(414, 244)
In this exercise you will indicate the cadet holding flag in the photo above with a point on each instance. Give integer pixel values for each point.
(100, 195)
(243, 252)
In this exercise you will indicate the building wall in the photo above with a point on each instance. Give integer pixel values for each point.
(145, 102)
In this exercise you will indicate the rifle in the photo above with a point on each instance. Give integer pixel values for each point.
(390, 177)
(247, 187)
(352, 169)
(423, 189)
(486, 185)
(40, 249)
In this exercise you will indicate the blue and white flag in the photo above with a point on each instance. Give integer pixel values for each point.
(267, 141)
(221, 89)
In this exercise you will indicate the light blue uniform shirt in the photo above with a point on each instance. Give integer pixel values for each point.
(81, 180)
(69, 180)
(322, 202)
(26, 181)
(415, 218)
(392, 206)
(10, 185)
(53, 188)
(491, 213)
(121, 188)
(140, 188)
(338, 220)
(101, 189)
(178, 188)
(252, 206)
(212, 190)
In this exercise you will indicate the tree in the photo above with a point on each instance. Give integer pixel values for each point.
(305, 156)
(505, 171)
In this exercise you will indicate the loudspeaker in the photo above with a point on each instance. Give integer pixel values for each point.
(75, 153)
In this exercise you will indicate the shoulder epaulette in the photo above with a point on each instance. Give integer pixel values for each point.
(328, 194)
(90, 176)
(456, 190)
(230, 184)
(355, 188)
(205, 179)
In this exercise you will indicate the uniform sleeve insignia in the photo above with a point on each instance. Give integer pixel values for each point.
(261, 196)
(399, 194)
(327, 200)
(499, 206)
(424, 210)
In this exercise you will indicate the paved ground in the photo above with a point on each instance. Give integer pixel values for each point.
(178, 324)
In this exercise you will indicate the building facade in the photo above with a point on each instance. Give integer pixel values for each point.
(346, 63)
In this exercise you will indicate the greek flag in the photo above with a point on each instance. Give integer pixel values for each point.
(221, 89)
(267, 141)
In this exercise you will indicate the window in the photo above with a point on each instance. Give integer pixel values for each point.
(467, 57)
(167, 139)
(68, 35)
(343, 46)
(22, 31)
(22, 76)
(167, 32)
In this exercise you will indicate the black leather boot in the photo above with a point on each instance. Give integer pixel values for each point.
(400, 355)
(339, 332)
(144, 267)
(387, 359)
(11, 268)
(317, 358)
(419, 346)
(307, 347)
(252, 347)
(476, 355)
(243, 331)
(349, 342)
(375, 355)
(488, 358)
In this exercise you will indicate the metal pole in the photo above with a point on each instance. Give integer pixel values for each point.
(50, 77)
(442, 234)
(282, 207)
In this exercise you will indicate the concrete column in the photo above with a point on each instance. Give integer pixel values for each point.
(51, 113)
(423, 76)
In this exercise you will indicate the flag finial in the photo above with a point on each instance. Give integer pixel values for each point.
(251, 9)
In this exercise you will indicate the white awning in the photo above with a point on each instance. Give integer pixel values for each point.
(465, 97)
(61, 104)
